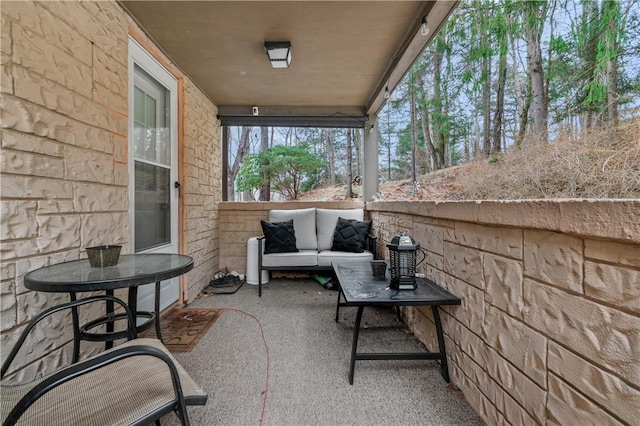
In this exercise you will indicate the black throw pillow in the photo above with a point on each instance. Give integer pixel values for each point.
(280, 237)
(350, 235)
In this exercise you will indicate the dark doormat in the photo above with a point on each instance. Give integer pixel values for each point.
(228, 284)
(182, 328)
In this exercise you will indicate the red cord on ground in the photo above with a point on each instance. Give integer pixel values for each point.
(266, 347)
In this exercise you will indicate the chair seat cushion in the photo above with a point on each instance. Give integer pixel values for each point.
(301, 258)
(325, 257)
(118, 394)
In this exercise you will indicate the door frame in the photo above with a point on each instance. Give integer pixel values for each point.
(151, 53)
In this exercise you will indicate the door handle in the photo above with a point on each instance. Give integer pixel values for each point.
(177, 186)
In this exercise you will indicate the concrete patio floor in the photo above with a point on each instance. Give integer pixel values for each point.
(308, 365)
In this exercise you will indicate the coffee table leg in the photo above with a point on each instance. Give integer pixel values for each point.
(443, 352)
(354, 346)
(338, 305)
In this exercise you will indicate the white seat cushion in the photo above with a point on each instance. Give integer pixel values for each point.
(304, 225)
(327, 220)
(325, 257)
(301, 258)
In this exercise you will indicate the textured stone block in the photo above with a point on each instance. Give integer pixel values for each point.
(609, 219)
(58, 98)
(28, 143)
(565, 406)
(18, 219)
(513, 340)
(612, 252)
(110, 73)
(522, 389)
(503, 241)
(54, 206)
(58, 231)
(554, 258)
(603, 335)
(42, 57)
(471, 311)
(503, 279)
(8, 271)
(101, 229)
(8, 303)
(19, 248)
(90, 197)
(42, 23)
(430, 237)
(29, 118)
(120, 174)
(612, 284)
(514, 413)
(24, 163)
(29, 187)
(5, 35)
(464, 263)
(598, 385)
(85, 165)
(106, 97)
(470, 344)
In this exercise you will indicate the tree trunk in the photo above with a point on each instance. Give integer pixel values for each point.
(524, 118)
(349, 166)
(243, 150)
(486, 88)
(414, 129)
(612, 9)
(501, 30)
(331, 156)
(357, 142)
(534, 19)
(265, 188)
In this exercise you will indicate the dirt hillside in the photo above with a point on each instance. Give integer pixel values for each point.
(602, 164)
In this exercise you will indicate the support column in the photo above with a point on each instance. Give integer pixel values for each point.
(370, 167)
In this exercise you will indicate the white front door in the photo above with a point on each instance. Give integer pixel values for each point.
(153, 166)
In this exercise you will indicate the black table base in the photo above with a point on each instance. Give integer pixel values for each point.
(360, 289)
(368, 356)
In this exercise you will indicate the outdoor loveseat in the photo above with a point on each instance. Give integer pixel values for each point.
(310, 239)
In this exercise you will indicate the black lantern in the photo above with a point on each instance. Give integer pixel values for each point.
(402, 262)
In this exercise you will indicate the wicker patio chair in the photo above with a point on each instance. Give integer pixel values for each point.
(135, 383)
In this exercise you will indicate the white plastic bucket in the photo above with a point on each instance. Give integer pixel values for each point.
(252, 263)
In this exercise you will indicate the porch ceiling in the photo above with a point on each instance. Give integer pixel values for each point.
(344, 52)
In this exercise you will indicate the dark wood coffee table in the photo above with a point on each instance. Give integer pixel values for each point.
(360, 288)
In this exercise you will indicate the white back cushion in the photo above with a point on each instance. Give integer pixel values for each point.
(327, 219)
(304, 225)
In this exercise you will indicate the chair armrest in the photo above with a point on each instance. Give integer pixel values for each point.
(25, 333)
(104, 361)
(372, 244)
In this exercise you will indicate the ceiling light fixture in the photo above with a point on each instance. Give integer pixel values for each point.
(424, 30)
(279, 53)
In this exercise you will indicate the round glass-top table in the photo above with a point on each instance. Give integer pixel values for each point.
(132, 270)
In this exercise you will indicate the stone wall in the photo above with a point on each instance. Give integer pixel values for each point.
(549, 328)
(64, 158)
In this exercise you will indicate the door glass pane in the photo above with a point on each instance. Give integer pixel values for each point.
(152, 206)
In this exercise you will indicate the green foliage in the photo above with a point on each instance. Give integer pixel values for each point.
(290, 169)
